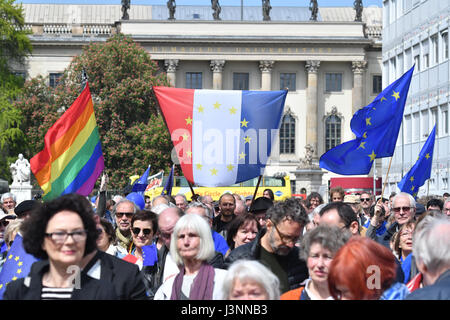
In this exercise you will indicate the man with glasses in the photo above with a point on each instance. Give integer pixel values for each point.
(274, 246)
(123, 211)
(366, 201)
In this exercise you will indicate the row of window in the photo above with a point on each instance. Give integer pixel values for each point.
(333, 81)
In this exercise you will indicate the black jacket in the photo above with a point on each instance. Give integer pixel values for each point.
(124, 276)
(297, 270)
(30, 287)
(440, 290)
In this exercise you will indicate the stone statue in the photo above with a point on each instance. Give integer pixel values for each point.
(358, 5)
(216, 7)
(125, 7)
(171, 5)
(20, 170)
(266, 7)
(307, 161)
(314, 8)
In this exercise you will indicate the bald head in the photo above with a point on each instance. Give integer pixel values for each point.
(166, 222)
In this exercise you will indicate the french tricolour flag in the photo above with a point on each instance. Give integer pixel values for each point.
(221, 137)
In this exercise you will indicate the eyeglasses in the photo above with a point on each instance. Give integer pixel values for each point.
(365, 199)
(128, 214)
(61, 236)
(285, 238)
(145, 231)
(446, 209)
(406, 234)
(404, 209)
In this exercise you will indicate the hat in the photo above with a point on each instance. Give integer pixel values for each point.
(24, 207)
(261, 204)
(420, 208)
(4, 215)
(248, 197)
(351, 198)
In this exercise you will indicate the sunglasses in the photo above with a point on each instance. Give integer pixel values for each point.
(404, 209)
(365, 199)
(145, 231)
(128, 214)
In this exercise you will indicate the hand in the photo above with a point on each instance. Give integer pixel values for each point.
(377, 217)
(104, 182)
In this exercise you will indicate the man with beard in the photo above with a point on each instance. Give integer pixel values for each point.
(123, 212)
(227, 204)
(274, 246)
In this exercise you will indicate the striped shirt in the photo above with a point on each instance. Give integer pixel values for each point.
(56, 293)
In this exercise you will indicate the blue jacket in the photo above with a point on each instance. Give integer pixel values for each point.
(440, 290)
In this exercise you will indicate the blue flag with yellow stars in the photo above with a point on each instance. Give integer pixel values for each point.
(141, 184)
(169, 183)
(376, 127)
(17, 264)
(421, 171)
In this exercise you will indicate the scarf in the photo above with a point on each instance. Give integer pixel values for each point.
(123, 241)
(202, 287)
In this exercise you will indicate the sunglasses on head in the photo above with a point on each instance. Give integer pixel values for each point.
(145, 231)
(128, 214)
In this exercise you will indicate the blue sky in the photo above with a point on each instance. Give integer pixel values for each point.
(292, 3)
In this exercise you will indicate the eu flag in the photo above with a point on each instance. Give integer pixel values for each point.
(421, 171)
(376, 128)
(169, 183)
(141, 183)
(17, 264)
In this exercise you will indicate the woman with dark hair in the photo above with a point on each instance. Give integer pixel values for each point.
(107, 239)
(313, 200)
(60, 233)
(268, 193)
(243, 229)
(364, 270)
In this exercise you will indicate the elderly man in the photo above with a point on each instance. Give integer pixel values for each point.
(404, 209)
(275, 247)
(123, 211)
(431, 241)
(181, 201)
(9, 201)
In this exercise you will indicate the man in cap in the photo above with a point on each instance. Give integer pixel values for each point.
(259, 209)
(25, 207)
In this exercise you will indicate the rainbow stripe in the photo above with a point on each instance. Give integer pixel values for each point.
(72, 159)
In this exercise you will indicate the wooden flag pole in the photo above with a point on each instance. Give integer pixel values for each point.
(194, 196)
(256, 190)
(387, 174)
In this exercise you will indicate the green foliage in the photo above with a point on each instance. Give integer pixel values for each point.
(121, 75)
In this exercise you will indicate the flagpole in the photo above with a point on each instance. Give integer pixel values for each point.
(194, 196)
(256, 190)
(386, 179)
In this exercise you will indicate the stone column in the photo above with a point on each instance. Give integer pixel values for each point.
(358, 68)
(312, 67)
(266, 67)
(217, 69)
(171, 69)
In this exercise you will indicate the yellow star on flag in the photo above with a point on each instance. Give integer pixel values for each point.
(10, 256)
(368, 122)
(244, 123)
(189, 154)
(214, 172)
(188, 120)
(427, 156)
(372, 156)
(411, 179)
(1, 286)
(412, 188)
(216, 105)
(19, 271)
(233, 110)
(365, 135)
(230, 167)
(242, 155)
(185, 136)
(396, 95)
(16, 258)
(247, 139)
(362, 145)
(200, 109)
(414, 194)
(199, 166)
(383, 98)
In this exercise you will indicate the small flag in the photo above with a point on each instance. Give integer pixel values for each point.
(221, 137)
(17, 264)
(169, 183)
(376, 127)
(141, 184)
(150, 255)
(421, 171)
(72, 159)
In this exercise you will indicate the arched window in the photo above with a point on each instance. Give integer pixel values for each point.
(287, 134)
(332, 131)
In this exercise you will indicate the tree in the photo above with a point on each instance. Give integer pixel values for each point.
(121, 75)
(14, 47)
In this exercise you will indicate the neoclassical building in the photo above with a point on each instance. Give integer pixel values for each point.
(330, 63)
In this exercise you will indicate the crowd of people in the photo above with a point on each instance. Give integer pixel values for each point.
(347, 247)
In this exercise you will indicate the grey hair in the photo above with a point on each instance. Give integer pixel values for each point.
(123, 200)
(197, 204)
(9, 195)
(254, 271)
(431, 242)
(162, 206)
(412, 202)
(199, 226)
(183, 196)
(289, 208)
(329, 237)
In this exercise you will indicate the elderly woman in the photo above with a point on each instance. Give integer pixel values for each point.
(318, 248)
(403, 247)
(191, 247)
(250, 280)
(60, 233)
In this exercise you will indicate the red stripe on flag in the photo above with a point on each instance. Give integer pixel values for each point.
(176, 105)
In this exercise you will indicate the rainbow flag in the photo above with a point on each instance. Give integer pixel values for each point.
(72, 159)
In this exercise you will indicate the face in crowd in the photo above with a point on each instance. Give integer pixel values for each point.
(142, 232)
(284, 235)
(336, 197)
(403, 211)
(366, 201)
(9, 203)
(246, 233)
(227, 205)
(124, 213)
